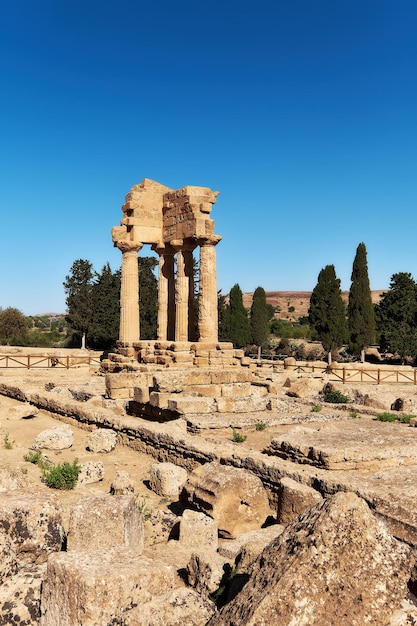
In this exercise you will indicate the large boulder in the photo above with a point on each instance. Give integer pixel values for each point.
(235, 498)
(56, 438)
(335, 564)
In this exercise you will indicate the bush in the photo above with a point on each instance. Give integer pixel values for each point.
(261, 425)
(237, 437)
(62, 476)
(316, 408)
(391, 417)
(336, 397)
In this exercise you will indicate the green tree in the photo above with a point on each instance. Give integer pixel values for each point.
(396, 316)
(327, 312)
(105, 308)
(78, 286)
(240, 334)
(223, 312)
(13, 327)
(361, 316)
(148, 297)
(259, 318)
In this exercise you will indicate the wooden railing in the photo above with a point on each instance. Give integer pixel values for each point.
(361, 375)
(32, 361)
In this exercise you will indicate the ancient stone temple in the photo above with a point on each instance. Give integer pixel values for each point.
(174, 223)
(204, 375)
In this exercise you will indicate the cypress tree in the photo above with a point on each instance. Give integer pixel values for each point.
(259, 317)
(396, 316)
(240, 333)
(327, 313)
(148, 297)
(361, 317)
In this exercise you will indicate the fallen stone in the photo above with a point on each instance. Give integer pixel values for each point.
(101, 522)
(335, 564)
(25, 411)
(20, 597)
(98, 587)
(122, 484)
(33, 524)
(91, 472)
(234, 498)
(198, 529)
(102, 440)
(206, 571)
(295, 498)
(57, 438)
(167, 479)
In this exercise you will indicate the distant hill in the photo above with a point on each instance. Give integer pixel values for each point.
(295, 304)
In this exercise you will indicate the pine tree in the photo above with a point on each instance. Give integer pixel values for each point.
(361, 317)
(396, 316)
(105, 322)
(259, 318)
(240, 334)
(327, 313)
(78, 286)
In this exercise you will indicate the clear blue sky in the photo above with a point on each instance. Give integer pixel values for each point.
(302, 113)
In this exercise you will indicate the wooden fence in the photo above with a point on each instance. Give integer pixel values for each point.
(32, 361)
(361, 375)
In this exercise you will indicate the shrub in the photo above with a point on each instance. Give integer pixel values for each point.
(37, 458)
(386, 417)
(353, 414)
(316, 408)
(405, 419)
(261, 425)
(62, 476)
(237, 437)
(144, 510)
(7, 443)
(336, 397)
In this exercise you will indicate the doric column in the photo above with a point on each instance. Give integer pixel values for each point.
(207, 311)
(181, 300)
(166, 294)
(129, 293)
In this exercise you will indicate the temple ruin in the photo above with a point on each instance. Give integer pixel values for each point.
(206, 375)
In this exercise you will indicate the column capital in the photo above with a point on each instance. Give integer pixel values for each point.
(213, 240)
(128, 246)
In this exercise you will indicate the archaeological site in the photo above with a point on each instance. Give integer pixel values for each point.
(211, 488)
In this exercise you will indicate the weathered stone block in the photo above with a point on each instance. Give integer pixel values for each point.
(294, 499)
(198, 529)
(102, 522)
(102, 440)
(92, 588)
(235, 498)
(20, 596)
(191, 405)
(232, 390)
(167, 479)
(335, 564)
(57, 438)
(32, 522)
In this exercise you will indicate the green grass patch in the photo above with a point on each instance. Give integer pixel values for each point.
(353, 414)
(261, 425)
(8, 444)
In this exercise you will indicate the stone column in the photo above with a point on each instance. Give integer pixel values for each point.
(207, 311)
(181, 300)
(166, 295)
(129, 293)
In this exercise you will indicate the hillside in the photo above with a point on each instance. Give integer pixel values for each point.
(295, 304)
